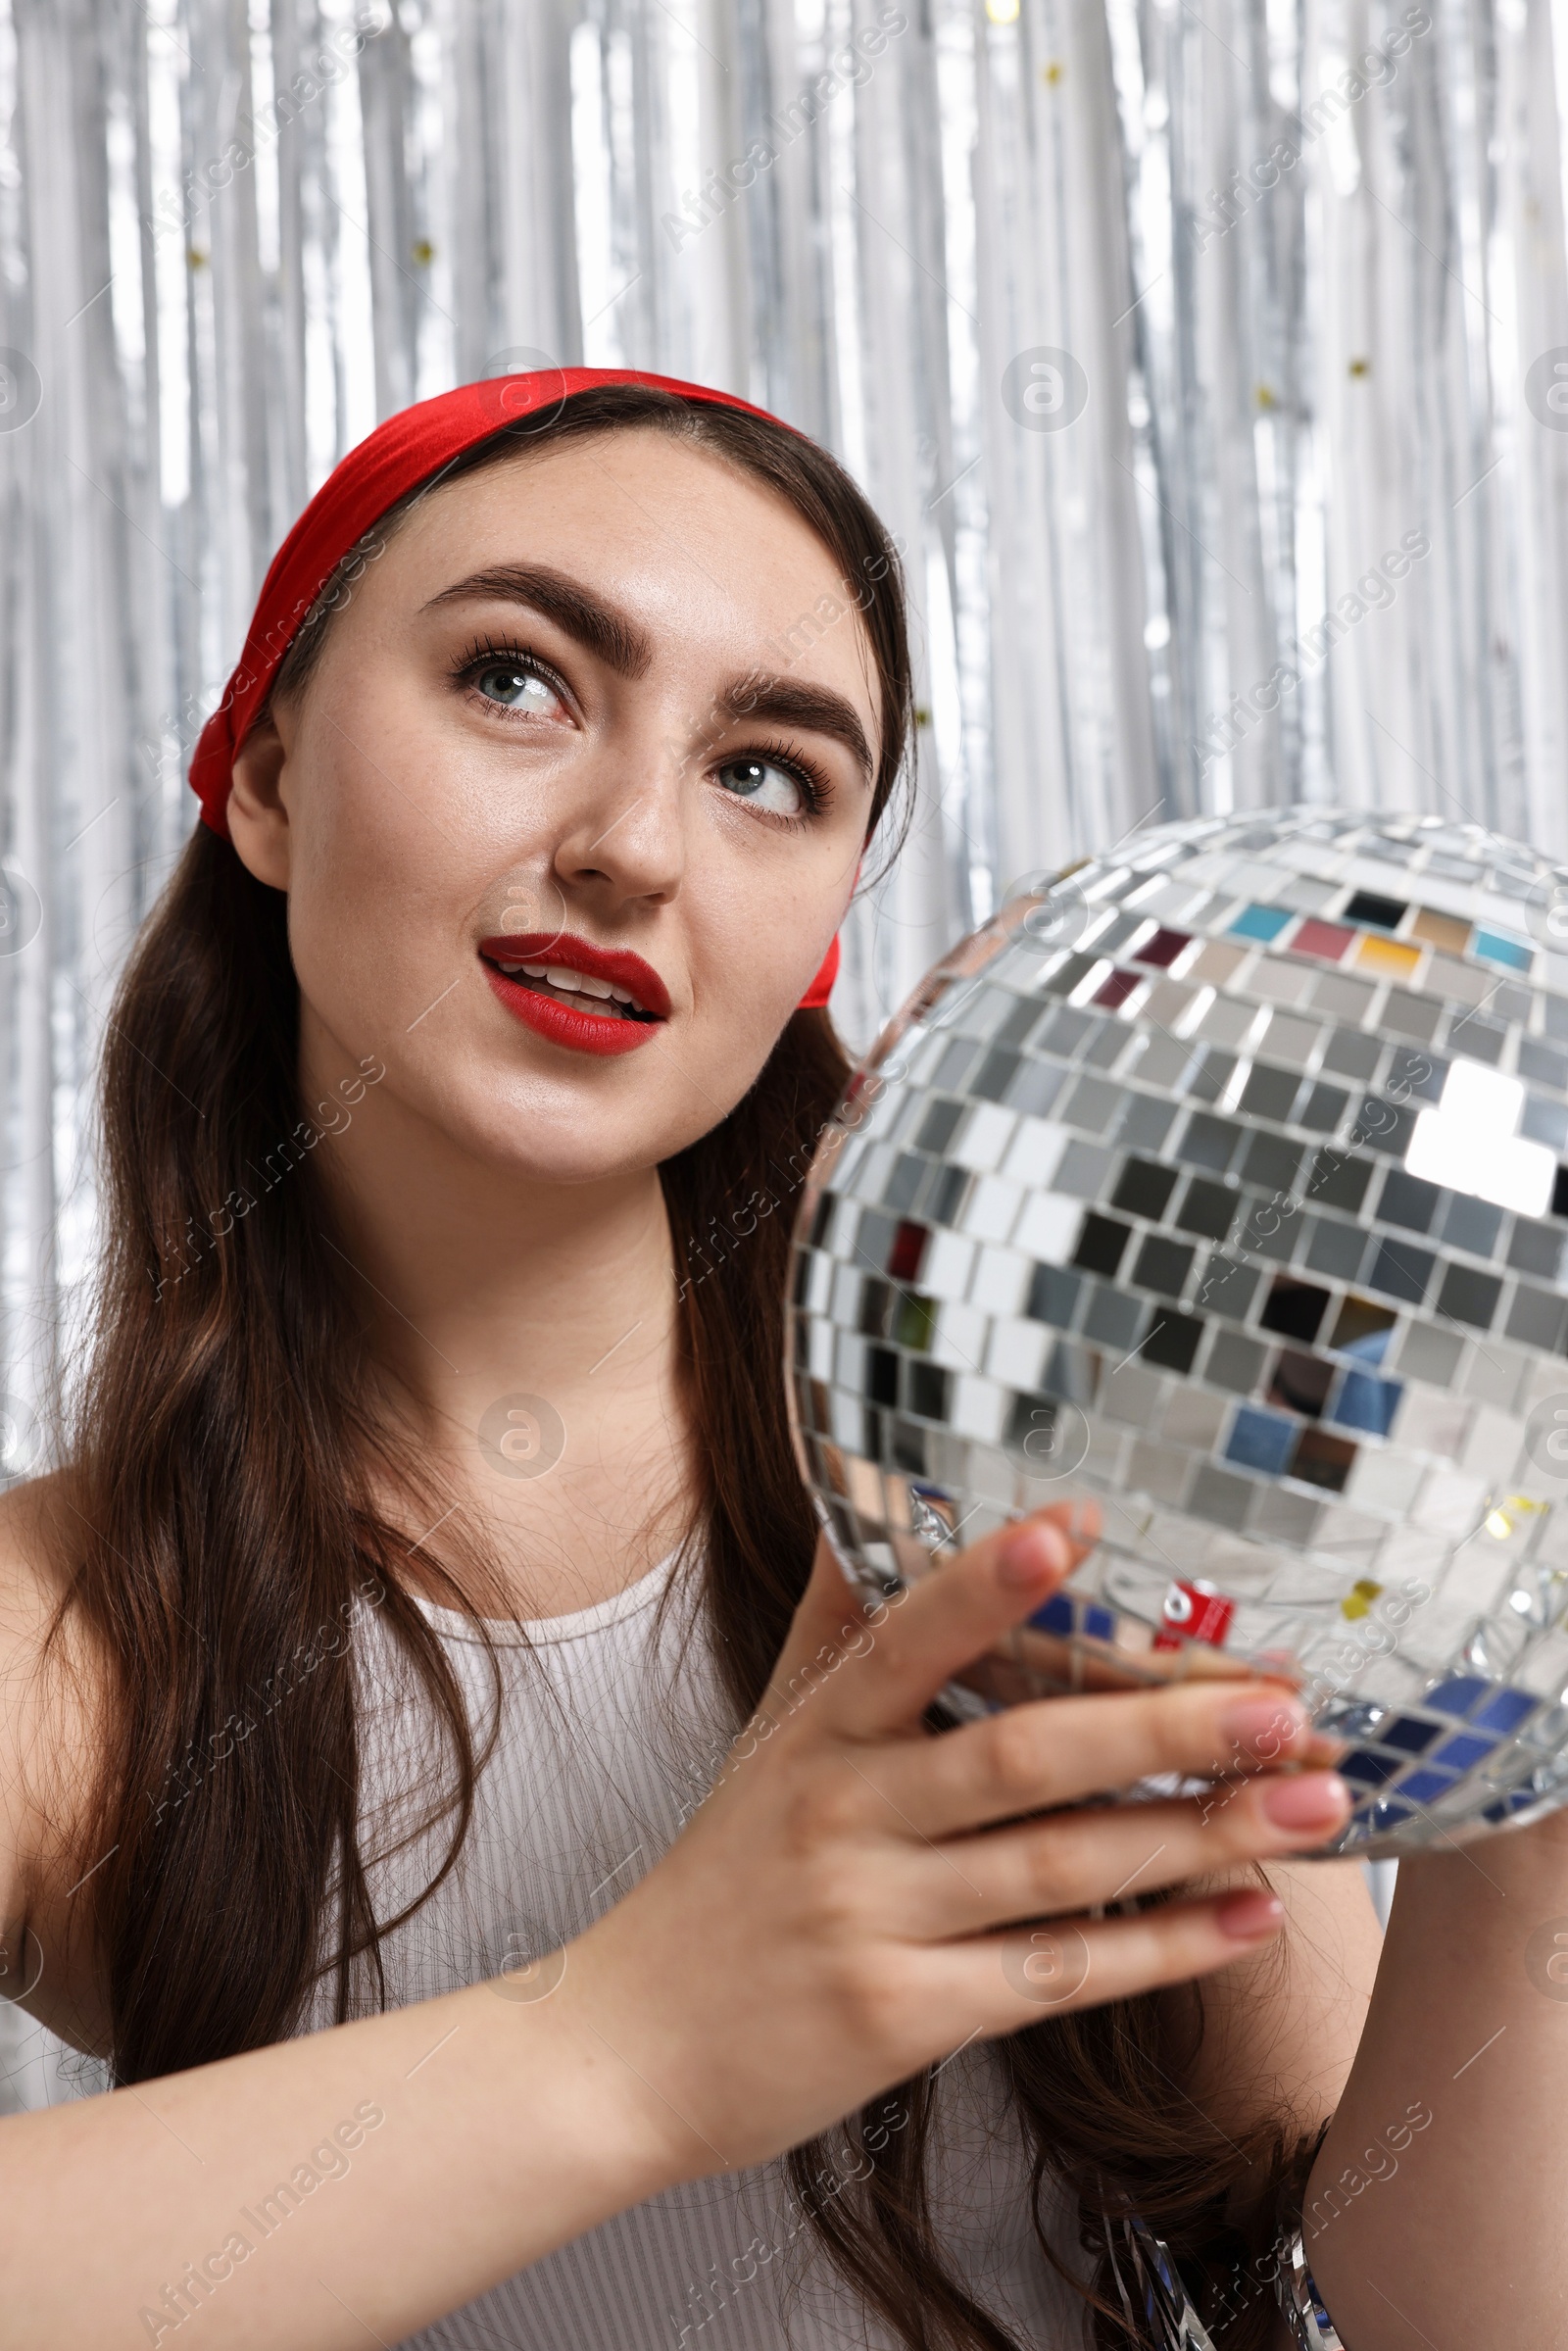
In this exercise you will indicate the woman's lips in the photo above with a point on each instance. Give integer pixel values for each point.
(579, 1024)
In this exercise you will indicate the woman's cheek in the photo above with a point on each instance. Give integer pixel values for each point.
(374, 917)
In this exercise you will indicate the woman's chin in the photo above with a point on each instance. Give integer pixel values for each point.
(572, 1144)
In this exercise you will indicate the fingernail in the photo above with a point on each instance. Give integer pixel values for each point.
(1309, 1800)
(1029, 1555)
(1265, 1721)
(1250, 1915)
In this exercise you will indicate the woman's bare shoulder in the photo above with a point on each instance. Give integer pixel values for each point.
(37, 1556)
(35, 1516)
(49, 1696)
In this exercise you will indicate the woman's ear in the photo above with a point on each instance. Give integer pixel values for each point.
(258, 818)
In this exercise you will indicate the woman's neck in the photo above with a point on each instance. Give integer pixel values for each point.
(527, 1333)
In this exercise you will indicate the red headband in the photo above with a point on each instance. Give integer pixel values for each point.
(403, 452)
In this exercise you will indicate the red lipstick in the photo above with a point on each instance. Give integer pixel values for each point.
(587, 1030)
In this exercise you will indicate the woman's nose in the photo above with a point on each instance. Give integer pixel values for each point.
(628, 836)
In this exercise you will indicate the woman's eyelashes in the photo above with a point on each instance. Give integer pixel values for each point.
(512, 680)
(778, 780)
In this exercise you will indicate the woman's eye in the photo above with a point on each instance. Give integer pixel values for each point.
(515, 688)
(764, 784)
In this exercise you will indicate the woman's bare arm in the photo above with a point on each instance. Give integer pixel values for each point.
(1435, 2211)
(370, 2178)
(1281, 2028)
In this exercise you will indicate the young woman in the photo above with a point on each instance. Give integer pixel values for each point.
(427, 1530)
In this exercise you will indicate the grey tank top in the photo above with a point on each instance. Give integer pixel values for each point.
(611, 1726)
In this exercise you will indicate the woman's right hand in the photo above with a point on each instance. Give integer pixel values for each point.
(856, 1897)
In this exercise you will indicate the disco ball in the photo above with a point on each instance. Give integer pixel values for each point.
(1225, 1179)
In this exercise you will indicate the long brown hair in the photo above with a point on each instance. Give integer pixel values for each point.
(224, 1476)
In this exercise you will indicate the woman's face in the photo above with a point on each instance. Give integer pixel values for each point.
(605, 716)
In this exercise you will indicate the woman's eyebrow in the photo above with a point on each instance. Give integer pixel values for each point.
(604, 629)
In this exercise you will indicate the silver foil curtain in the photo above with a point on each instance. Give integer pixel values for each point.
(1209, 359)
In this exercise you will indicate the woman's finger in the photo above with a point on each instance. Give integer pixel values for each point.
(1018, 1979)
(905, 1647)
(1057, 1750)
(1073, 1861)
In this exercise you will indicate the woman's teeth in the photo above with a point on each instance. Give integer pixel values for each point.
(573, 983)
